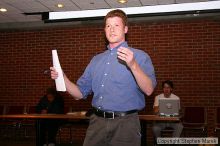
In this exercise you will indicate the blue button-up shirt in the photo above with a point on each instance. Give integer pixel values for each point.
(112, 82)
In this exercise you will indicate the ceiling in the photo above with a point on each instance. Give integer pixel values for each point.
(17, 8)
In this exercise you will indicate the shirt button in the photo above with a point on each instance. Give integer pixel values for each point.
(101, 97)
(107, 63)
(105, 74)
(99, 107)
(102, 85)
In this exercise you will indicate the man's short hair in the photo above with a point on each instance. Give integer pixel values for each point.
(117, 13)
(168, 82)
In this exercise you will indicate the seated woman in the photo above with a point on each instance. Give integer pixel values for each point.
(51, 103)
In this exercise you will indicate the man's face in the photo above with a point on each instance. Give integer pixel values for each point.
(115, 31)
(167, 90)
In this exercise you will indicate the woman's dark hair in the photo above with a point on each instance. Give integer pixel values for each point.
(168, 82)
(52, 91)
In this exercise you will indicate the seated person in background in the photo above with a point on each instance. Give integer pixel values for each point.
(159, 126)
(51, 103)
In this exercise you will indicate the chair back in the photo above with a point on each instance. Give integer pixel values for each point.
(31, 110)
(11, 110)
(217, 115)
(67, 109)
(2, 109)
(196, 115)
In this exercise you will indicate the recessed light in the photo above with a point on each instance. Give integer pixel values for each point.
(60, 5)
(122, 1)
(3, 10)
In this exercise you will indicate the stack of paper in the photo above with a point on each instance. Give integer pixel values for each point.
(60, 84)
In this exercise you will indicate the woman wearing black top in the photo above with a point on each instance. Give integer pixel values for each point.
(51, 103)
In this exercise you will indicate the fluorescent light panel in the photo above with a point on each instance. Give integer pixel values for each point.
(184, 7)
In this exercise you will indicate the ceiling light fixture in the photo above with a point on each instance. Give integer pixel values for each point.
(60, 5)
(157, 10)
(122, 1)
(3, 10)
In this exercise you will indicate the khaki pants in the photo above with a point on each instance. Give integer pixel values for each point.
(121, 131)
(158, 127)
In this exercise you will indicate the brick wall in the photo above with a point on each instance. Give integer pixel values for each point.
(185, 51)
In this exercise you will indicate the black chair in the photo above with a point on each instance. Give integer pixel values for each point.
(2, 121)
(13, 126)
(167, 132)
(194, 119)
(217, 122)
(29, 124)
(2, 109)
(66, 127)
(31, 110)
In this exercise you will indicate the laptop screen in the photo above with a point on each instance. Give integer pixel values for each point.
(169, 107)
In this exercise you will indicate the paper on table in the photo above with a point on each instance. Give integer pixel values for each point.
(60, 84)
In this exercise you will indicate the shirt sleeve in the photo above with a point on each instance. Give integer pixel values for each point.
(146, 65)
(85, 81)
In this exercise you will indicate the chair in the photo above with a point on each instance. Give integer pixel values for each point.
(31, 110)
(167, 128)
(2, 121)
(29, 124)
(14, 110)
(13, 125)
(217, 121)
(194, 119)
(2, 109)
(167, 131)
(66, 125)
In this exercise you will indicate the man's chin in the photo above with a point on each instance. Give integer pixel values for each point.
(112, 40)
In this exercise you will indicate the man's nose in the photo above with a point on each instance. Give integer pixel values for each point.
(112, 28)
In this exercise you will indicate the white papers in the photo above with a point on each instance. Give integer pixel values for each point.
(60, 84)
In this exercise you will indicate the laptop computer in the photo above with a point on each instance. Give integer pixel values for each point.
(169, 107)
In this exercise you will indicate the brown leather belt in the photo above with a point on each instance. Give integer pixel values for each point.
(112, 115)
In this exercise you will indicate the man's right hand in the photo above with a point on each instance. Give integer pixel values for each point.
(72, 88)
(156, 109)
(53, 73)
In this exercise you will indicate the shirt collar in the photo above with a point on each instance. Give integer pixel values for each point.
(123, 44)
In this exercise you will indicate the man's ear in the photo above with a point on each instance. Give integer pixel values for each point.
(126, 29)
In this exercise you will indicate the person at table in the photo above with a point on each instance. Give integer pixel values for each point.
(119, 78)
(159, 126)
(51, 103)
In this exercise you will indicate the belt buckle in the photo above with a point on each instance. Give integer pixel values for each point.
(113, 115)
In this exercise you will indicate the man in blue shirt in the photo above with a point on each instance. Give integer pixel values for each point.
(119, 78)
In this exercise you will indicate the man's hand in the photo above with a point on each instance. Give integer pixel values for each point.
(53, 73)
(72, 88)
(156, 109)
(126, 55)
(143, 81)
